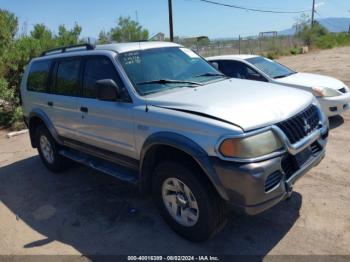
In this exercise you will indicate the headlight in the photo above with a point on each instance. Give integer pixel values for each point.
(324, 92)
(252, 146)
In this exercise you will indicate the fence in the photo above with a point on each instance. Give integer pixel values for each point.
(258, 45)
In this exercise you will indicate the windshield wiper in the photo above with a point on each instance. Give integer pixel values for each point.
(211, 74)
(169, 81)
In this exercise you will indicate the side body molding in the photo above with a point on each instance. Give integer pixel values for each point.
(38, 113)
(186, 145)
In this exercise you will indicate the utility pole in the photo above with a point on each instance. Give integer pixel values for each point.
(239, 44)
(313, 13)
(137, 16)
(171, 28)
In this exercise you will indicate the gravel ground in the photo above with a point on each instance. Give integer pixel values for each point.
(85, 212)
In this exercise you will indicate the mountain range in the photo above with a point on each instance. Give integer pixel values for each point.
(333, 24)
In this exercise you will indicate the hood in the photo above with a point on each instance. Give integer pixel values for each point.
(312, 80)
(247, 104)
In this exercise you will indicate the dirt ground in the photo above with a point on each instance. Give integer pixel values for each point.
(85, 212)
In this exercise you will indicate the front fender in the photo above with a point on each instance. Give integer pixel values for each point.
(188, 146)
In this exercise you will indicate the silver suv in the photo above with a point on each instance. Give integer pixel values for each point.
(158, 115)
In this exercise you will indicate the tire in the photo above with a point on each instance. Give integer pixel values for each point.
(53, 161)
(193, 224)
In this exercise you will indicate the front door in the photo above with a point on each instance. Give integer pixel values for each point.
(103, 124)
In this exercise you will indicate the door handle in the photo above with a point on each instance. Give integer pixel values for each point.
(84, 109)
(50, 103)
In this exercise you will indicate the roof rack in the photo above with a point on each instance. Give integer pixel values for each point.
(64, 49)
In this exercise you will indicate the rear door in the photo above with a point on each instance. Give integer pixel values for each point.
(103, 124)
(64, 89)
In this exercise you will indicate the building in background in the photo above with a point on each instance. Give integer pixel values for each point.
(158, 37)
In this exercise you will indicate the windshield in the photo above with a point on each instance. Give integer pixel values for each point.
(160, 69)
(269, 67)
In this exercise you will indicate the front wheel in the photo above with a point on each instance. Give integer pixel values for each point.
(188, 203)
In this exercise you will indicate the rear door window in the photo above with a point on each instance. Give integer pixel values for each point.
(67, 77)
(38, 76)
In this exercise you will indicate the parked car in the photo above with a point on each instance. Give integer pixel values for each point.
(157, 115)
(333, 95)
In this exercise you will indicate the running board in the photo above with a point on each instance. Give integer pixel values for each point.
(104, 166)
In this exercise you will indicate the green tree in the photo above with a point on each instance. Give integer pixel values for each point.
(8, 28)
(309, 34)
(128, 30)
(103, 37)
(41, 32)
(45, 37)
(68, 37)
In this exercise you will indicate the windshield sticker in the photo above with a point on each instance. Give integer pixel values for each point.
(132, 58)
(189, 52)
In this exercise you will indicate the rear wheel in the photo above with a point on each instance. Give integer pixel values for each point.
(187, 203)
(49, 150)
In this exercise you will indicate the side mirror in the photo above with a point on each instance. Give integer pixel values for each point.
(215, 65)
(107, 90)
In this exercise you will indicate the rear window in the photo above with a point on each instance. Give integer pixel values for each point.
(38, 76)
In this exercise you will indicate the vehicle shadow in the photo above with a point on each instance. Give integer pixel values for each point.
(98, 215)
(335, 121)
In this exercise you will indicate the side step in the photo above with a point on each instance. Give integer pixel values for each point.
(104, 166)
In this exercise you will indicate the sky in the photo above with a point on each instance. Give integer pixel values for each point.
(191, 17)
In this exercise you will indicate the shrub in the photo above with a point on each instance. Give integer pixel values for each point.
(326, 42)
(333, 40)
(16, 121)
(273, 54)
(12, 119)
(7, 95)
(295, 50)
(342, 39)
(10, 114)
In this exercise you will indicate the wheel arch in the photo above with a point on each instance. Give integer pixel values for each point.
(165, 144)
(38, 117)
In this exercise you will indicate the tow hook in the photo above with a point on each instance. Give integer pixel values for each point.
(289, 190)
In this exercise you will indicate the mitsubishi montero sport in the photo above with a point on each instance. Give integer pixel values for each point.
(158, 115)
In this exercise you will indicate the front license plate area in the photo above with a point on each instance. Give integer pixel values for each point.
(303, 156)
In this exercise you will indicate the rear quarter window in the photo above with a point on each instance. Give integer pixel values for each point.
(38, 76)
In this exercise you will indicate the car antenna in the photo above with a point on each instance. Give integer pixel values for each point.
(146, 108)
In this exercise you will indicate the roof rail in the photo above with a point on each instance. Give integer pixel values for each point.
(64, 49)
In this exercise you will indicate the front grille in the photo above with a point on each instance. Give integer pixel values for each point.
(343, 90)
(300, 125)
(272, 180)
